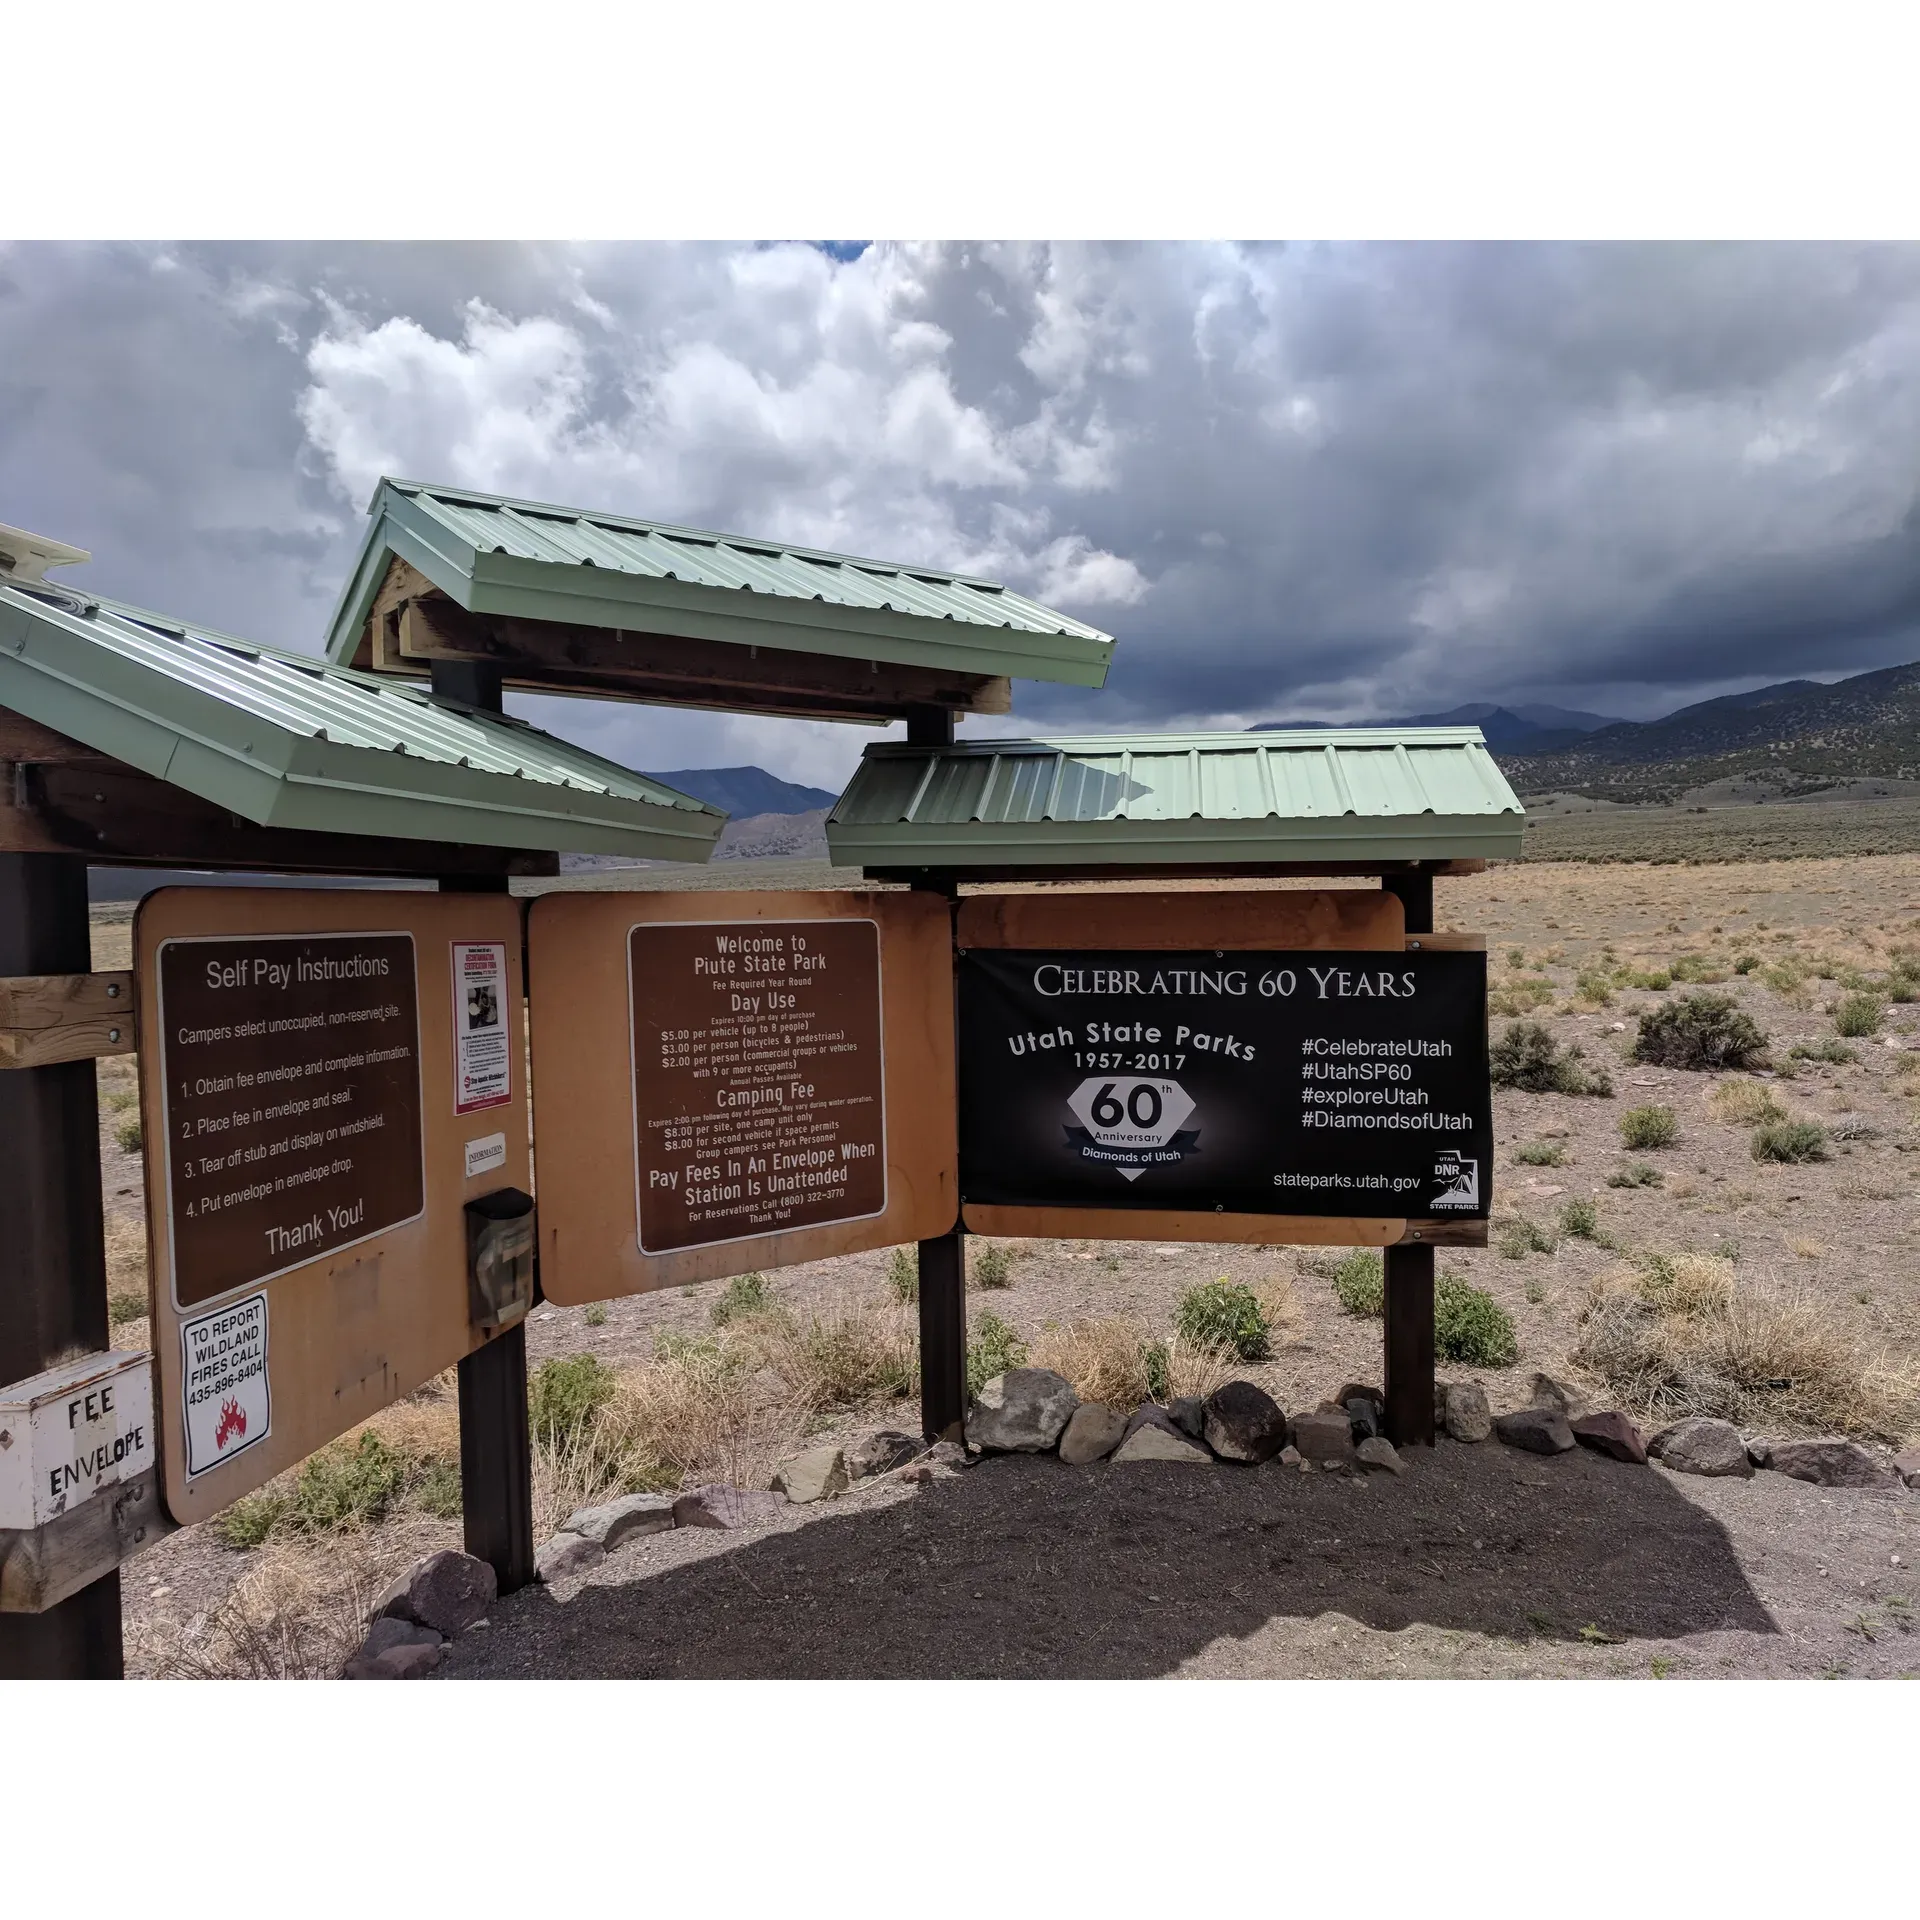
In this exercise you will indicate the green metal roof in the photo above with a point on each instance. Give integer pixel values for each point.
(285, 740)
(1358, 794)
(537, 562)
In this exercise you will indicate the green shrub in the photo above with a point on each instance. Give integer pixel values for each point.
(1746, 963)
(1521, 995)
(1520, 1237)
(1834, 1051)
(1647, 979)
(1702, 1031)
(595, 1315)
(1635, 1174)
(1858, 1015)
(1698, 969)
(992, 1349)
(1222, 1314)
(903, 1274)
(1154, 1359)
(1470, 1327)
(344, 1486)
(122, 1308)
(250, 1521)
(1580, 1220)
(1540, 1153)
(1528, 1058)
(1649, 1126)
(1791, 1141)
(990, 1268)
(126, 1134)
(1516, 957)
(1359, 1284)
(746, 1295)
(564, 1398)
(436, 1487)
(1594, 987)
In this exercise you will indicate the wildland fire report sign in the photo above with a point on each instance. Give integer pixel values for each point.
(759, 1089)
(291, 1100)
(1323, 1082)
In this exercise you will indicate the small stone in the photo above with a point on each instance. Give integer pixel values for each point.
(1536, 1429)
(916, 1476)
(625, 1519)
(1324, 1436)
(1546, 1391)
(1152, 1435)
(949, 1453)
(1700, 1445)
(817, 1474)
(565, 1555)
(1759, 1449)
(1093, 1433)
(1364, 1418)
(1289, 1456)
(1243, 1423)
(446, 1591)
(413, 1660)
(1833, 1462)
(1189, 1414)
(391, 1631)
(1358, 1390)
(727, 1507)
(882, 1452)
(1465, 1414)
(1611, 1433)
(1907, 1465)
(1023, 1410)
(1380, 1455)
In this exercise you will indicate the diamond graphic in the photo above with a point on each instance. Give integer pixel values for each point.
(1136, 1114)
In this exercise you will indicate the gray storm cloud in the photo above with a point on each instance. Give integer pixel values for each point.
(1336, 480)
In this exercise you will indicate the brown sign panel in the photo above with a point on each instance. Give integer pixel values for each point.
(291, 1087)
(759, 1083)
(1351, 918)
(304, 1060)
(725, 1082)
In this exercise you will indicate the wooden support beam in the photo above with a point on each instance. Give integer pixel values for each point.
(413, 632)
(1408, 1276)
(113, 815)
(48, 1017)
(42, 1567)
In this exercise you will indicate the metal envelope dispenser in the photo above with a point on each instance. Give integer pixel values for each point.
(500, 1249)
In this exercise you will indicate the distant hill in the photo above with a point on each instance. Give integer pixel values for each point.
(746, 792)
(1797, 737)
(1503, 726)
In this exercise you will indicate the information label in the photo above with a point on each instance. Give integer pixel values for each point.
(482, 1059)
(758, 1089)
(1321, 1082)
(224, 1382)
(291, 1100)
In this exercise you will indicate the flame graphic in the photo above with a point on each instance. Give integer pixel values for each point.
(232, 1421)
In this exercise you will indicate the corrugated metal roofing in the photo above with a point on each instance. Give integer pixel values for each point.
(1202, 798)
(287, 740)
(491, 554)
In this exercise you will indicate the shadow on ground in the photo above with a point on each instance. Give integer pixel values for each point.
(1023, 1567)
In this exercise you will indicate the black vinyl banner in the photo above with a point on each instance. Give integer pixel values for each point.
(1343, 1083)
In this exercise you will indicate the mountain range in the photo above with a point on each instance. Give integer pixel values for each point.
(745, 792)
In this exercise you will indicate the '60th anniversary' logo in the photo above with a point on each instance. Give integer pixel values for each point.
(1132, 1124)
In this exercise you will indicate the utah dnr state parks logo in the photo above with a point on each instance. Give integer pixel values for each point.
(1459, 1180)
(1132, 1124)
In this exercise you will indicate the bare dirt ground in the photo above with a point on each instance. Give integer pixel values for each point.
(1480, 1560)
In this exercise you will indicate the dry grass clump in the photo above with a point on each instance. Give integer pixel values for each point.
(1678, 1336)
(1193, 1369)
(1103, 1357)
(1745, 1103)
(842, 1354)
(297, 1614)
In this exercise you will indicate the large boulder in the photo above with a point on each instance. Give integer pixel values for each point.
(1243, 1423)
(1023, 1410)
(817, 1474)
(446, 1591)
(615, 1521)
(727, 1507)
(1152, 1435)
(1704, 1446)
(1611, 1433)
(1546, 1391)
(1464, 1413)
(1325, 1436)
(1093, 1433)
(1536, 1430)
(1832, 1463)
(882, 1452)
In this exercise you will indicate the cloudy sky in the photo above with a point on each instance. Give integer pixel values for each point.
(1334, 481)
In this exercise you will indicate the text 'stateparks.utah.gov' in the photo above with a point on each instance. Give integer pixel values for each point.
(1313, 1083)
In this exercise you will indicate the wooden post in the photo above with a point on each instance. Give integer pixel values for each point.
(496, 1442)
(53, 1294)
(1409, 1270)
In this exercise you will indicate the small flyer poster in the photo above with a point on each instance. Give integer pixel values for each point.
(223, 1374)
(481, 1055)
